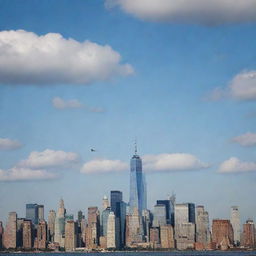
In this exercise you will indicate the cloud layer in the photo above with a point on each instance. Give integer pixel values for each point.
(234, 165)
(25, 174)
(27, 58)
(242, 87)
(49, 158)
(246, 140)
(60, 103)
(104, 166)
(8, 144)
(205, 12)
(151, 163)
(172, 162)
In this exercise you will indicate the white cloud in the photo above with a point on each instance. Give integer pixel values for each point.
(25, 174)
(27, 58)
(246, 140)
(205, 12)
(8, 144)
(49, 158)
(243, 85)
(172, 162)
(104, 166)
(60, 103)
(234, 165)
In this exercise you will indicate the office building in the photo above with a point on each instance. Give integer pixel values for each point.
(138, 195)
(235, 222)
(32, 213)
(9, 238)
(111, 231)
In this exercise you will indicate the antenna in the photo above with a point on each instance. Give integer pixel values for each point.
(135, 144)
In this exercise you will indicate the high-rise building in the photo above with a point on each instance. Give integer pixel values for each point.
(168, 207)
(185, 226)
(1, 234)
(105, 203)
(146, 222)
(235, 222)
(104, 221)
(111, 231)
(41, 235)
(51, 225)
(59, 229)
(154, 237)
(27, 233)
(40, 212)
(138, 195)
(172, 207)
(202, 227)
(93, 228)
(115, 198)
(134, 230)
(222, 234)
(70, 235)
(9, 238)
(32, 213)
(159, 218)
(249, 234)
(167, 237)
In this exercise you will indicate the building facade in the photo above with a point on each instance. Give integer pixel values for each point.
(235, 222)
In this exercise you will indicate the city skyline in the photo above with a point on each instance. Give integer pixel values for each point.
(80, 80)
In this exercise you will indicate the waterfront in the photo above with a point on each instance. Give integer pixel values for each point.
(172, 253)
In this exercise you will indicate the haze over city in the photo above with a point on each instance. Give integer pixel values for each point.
(81, 80)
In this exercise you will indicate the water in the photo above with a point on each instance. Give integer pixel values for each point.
(187, 253)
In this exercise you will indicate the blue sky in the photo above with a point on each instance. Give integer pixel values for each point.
(184, 86)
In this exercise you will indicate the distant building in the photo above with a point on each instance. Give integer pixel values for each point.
(111, 231)
(51, 225)
(70, 235)
(159, 215)
(154, 237)
(41, 235)
(185, 226)
(167, 237)
(93, 229)
(138, 196)
(235, 222)
(249, 234)
(59, 228)
(146, 222)
(133, 229)
(27, 234)
(40, 212)
(1, 234)
(168, 209)
(105, 203)
(9, 238)
(202, 227)
(222, 234)
(116, 199)
(104, 221)
(32, 213)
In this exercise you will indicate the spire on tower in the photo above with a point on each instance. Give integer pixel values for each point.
(135, 144)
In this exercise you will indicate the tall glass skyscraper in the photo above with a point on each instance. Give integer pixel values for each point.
(137, 185)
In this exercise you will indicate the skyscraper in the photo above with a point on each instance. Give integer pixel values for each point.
(104, 221)
(138, 195)
(41, 235)
(27, 234)
(51, 225)
(222, 234)
(235, 222)
(40, 212)
(32, 213)
(185, 226)
(159, 218)
(70, 235)
(93, 228)
(105, 203)
(249, 234)
(10, 237)
(59, 229)
(202, 226)
(1, 234)
(111, 231)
